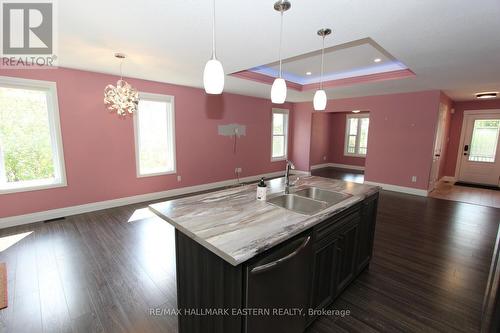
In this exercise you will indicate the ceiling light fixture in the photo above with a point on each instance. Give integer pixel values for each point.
(278, 90)
(377, 60)
(487, 95)
(319, 101)
(213, 75)
(122, 99)
(308, 73)
(356, 111)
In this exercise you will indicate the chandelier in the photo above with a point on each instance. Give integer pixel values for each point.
(122, 99)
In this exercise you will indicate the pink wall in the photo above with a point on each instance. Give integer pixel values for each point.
(327, 139)
(337, 141)
(401, 138)
(99, 147)
(320, 138)
(301, 138)
(456, 127)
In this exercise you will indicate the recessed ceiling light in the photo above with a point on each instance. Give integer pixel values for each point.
(356, 111)
(377, 60)
(308, 73)
(487, 94)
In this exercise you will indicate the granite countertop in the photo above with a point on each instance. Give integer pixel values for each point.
(236, 226)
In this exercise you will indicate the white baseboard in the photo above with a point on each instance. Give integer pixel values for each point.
(337, 165)
(320, 166)
(347, 166)
(300, 172)
(402, 189)
(11, 221)
(449, 179)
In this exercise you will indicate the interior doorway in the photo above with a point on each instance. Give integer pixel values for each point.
(479, 161)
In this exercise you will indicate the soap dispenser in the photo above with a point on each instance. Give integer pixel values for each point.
(261, 190)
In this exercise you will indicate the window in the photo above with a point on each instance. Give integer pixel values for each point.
(31, 155)
(484, 140)
(154, 135)
(356, 136)
(279, 135)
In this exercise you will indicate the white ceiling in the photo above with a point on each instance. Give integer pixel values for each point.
(452, 45)
(343, 61)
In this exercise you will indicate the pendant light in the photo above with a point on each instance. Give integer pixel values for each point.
(319, 101)
(278, 90)
(213, 75)
(122, 98)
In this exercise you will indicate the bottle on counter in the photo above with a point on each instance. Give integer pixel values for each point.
(261, 190)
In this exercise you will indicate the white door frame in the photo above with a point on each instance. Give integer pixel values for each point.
(462, 136)
(442, 115)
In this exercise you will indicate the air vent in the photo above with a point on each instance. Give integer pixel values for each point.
(54, 220)
(486, 95)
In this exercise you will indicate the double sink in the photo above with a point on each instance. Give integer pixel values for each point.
(308, 201)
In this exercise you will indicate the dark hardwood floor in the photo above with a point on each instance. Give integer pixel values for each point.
(98, 272)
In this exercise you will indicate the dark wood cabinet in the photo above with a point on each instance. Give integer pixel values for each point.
(347, 253)
(342, 249)
(324, 279)
(366, 231)
(306, 272)
(334, 263)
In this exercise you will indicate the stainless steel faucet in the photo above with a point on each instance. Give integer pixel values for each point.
(289, 165)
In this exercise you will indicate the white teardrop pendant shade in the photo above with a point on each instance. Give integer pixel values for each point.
(213, 77)
(319, 101)
(278, 91)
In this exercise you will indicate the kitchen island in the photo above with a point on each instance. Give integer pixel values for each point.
(245, 265)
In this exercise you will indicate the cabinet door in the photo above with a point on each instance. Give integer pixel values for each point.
(366, 232)
(348, 242)
(324, 274)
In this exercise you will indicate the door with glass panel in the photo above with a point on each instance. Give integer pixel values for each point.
(480, 159)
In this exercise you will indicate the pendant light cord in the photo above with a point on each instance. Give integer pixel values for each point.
(322, 61)
(213, 31)
(121, 73)
(281, 38)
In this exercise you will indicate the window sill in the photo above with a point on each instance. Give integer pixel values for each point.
(31, 186)
(278, 159)
(355, 155)
(162, 173)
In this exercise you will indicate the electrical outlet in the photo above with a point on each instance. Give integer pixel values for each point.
(413, 179)
(179, 178)
(324, 158)
(238, 170)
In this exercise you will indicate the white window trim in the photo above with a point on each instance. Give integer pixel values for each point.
(161, 98)
(55, 135)
(287, 112)
(358, 136)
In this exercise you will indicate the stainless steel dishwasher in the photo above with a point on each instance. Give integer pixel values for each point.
(277, 285)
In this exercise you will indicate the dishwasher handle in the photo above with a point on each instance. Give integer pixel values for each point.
(265, 267)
